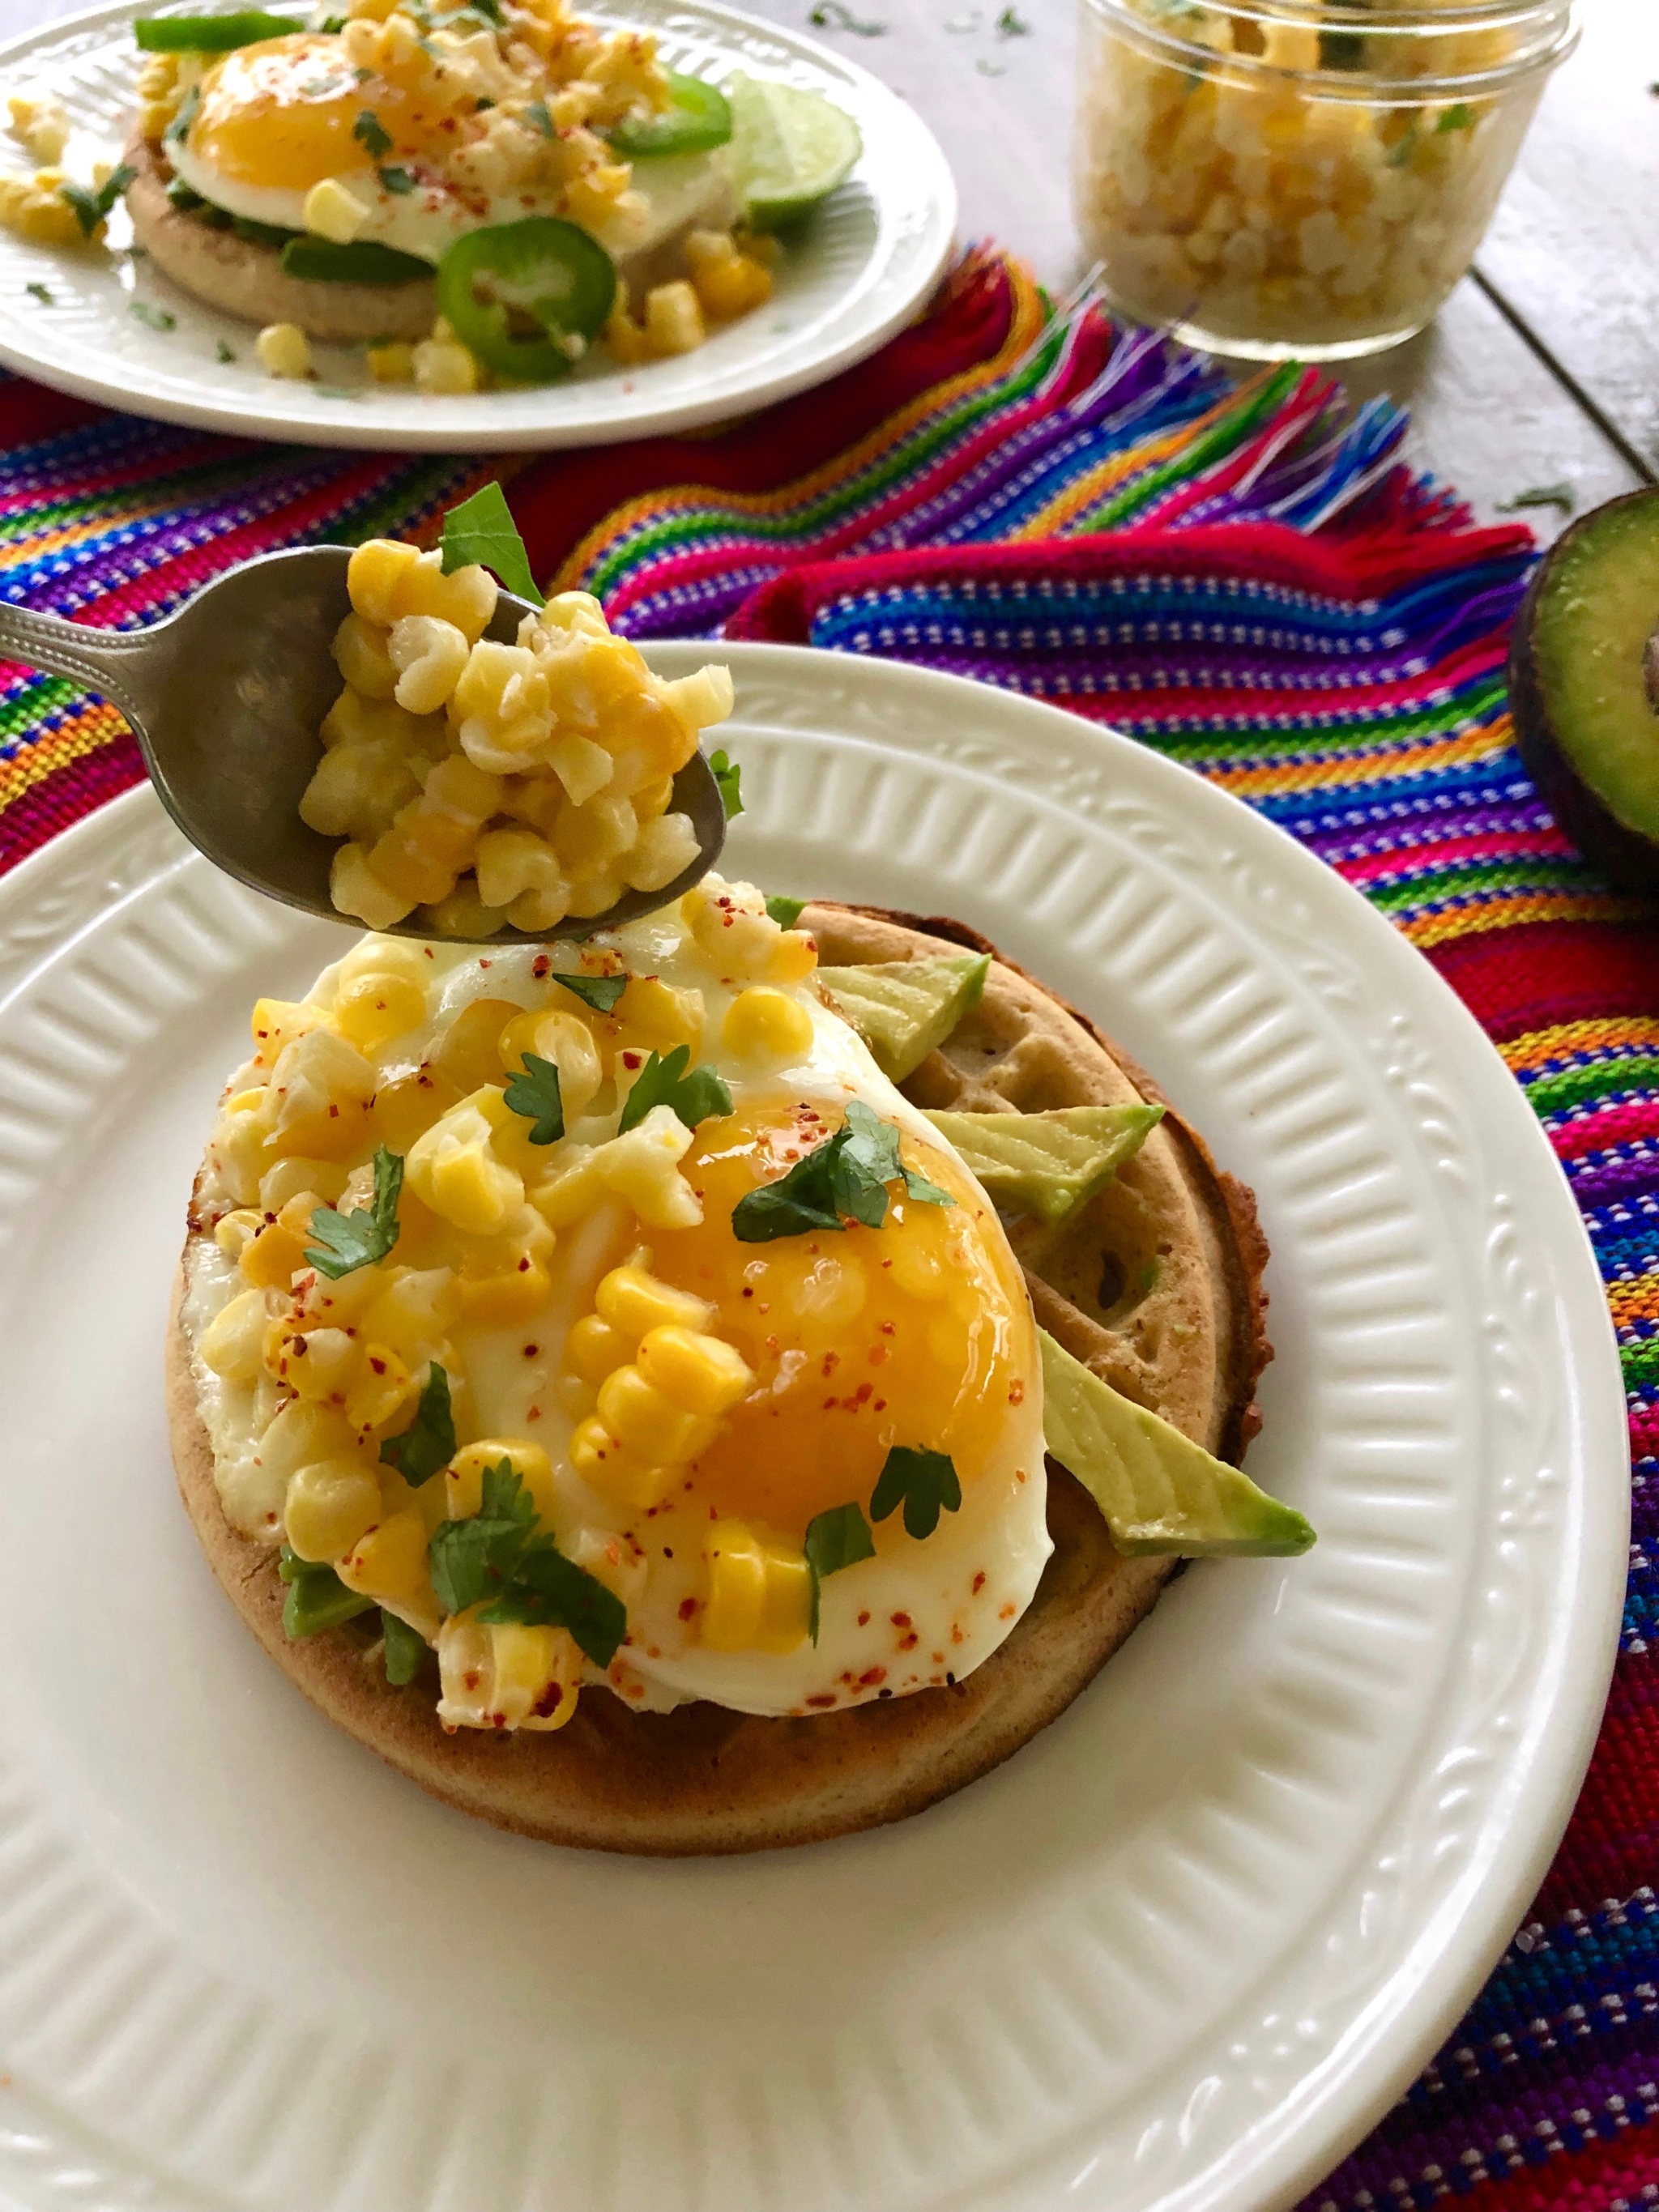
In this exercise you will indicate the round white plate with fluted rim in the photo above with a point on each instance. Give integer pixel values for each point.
(1180, 1951)
(113, 328)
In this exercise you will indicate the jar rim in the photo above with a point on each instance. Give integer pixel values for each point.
(1558, 21)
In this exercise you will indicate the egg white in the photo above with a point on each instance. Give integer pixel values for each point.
(918, 1613)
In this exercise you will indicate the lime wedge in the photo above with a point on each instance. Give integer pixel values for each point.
(789, 149)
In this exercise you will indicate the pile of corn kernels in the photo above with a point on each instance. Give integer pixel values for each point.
(491, 785)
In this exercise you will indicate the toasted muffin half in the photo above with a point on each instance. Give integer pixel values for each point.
(1155, 1282)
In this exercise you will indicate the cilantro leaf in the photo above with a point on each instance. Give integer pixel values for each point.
(694, 1097)
(549, 1592)
(482, 529)
(1011, 24)
(406, 1647)
(729, 777)
(429, 1443)
(490, 10)
(535, 1094)
(536, 115)
(152, 317)
(923, 1482)
(39, 292)
(91, 207)
(600, 992)
(397, 180)
(371, 134)
(358, 1239)
(835, 1540)
(1458, 117)
(847, 1174)
(786, 912)
(473, 1560)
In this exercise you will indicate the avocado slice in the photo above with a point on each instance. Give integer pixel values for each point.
(1159, 1491)
(904, 1009)
(1047, 1164)
(1584, 687)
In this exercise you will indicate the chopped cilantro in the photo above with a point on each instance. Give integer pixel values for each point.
(1561, 495)
(406, 1647)
(91, 207)
(1011, 24)
(664, 1082)
(786, 912)
(39, 292)
(1458, 117)
(332, 26)
(397, 180)
(348, 1240)
(525, 1577)
(600, 992)
(371, 134)
(835, 1540)
(223, 352)
(536, 114)
(834, 15)
(490, 10)
(923, 1482)
(847, 1174)
(729, 777)
(482, 529)
(152, 317)
(429, 1443)
(534, 1092)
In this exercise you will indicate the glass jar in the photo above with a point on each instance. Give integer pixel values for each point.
(1305, 177)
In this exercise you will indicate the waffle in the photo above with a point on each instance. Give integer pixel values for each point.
(1156, 1283)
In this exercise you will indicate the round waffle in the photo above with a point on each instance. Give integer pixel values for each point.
(1156, 1283)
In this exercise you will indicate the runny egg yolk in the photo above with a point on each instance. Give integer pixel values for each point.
(918, 1333)
(281, 114)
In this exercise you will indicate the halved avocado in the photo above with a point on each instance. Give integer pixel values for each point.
(1584, 687)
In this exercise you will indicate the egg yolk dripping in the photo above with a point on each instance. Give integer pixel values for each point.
(919, 1333)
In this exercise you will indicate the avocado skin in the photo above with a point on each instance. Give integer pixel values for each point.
(1624, 856)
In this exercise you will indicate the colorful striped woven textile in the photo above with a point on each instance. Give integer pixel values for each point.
(1251, 582)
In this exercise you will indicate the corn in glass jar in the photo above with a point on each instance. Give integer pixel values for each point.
(1300, 177)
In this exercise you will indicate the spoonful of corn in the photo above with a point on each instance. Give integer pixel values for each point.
(385, 737)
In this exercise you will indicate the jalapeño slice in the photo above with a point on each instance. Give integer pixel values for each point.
(541, 270)
(210, 34)
(698, 118)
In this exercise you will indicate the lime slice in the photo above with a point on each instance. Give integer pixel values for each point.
(789, 150)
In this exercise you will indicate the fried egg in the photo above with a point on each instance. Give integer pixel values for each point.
(272, 120)
(917, 1334)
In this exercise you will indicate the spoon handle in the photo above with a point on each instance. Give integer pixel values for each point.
(106, 661)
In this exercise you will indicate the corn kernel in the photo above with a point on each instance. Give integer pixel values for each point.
(646, 1423)
(699, 1373)
(371, 1009)
(283, 350)
(321, 1366)
(383, 1390)
(793, 958)
(453, 1169)
(469, 1055)
(565, 1039)
(463, 1478)
(673, 319)
(412, 1312)
(274, 1257)
(443, 365)
(392, 363)
(328, 1505)
(583, 766)
(39, 120)
(613, 1471)
(290, 1179)
(759, 1591)
(660, 1017)
(233, 1342)
(764, 1020)
(428, 655)
(702, 698)
(238, 1229)
(388, 1560)
(374, 574)
(333, 211)
(301, 1432)
(664, 848)
(407, 1107)
(537, 1675)
(355, 889)
(277, 1022)
(362, 659)
(635, 1302)
(592, 1348)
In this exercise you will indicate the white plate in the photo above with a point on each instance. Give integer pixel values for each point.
(1179, 1953)
(869, 258)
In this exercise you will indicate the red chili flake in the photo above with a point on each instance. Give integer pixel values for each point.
(822, 1701)
(524, 1264)
(956, 1636)
(334, 1113)
(486, 964)
(868, 1681)
(878, 1355)
(886, 1326)
(908, 1643)
(978, 1582)
(470, 1678)
(939, 1658)
(1005, 1613)
(540, 966)
(1016, 1393)
(861, 1396)
(531, 1349)
(831, 1361)
(633, 1060)
(688, 1608)
(534, 1414)
(900, 1620)
(884, 1693)
(549, 1701)
(636, 1690)
(879, 1406)
(863, 1620)
(749, 1289)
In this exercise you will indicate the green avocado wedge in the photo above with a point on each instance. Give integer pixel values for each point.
(903, 1009)
(1047, 1164)
(1159, 1491)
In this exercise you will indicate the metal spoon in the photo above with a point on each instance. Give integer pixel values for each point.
(225, 698)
